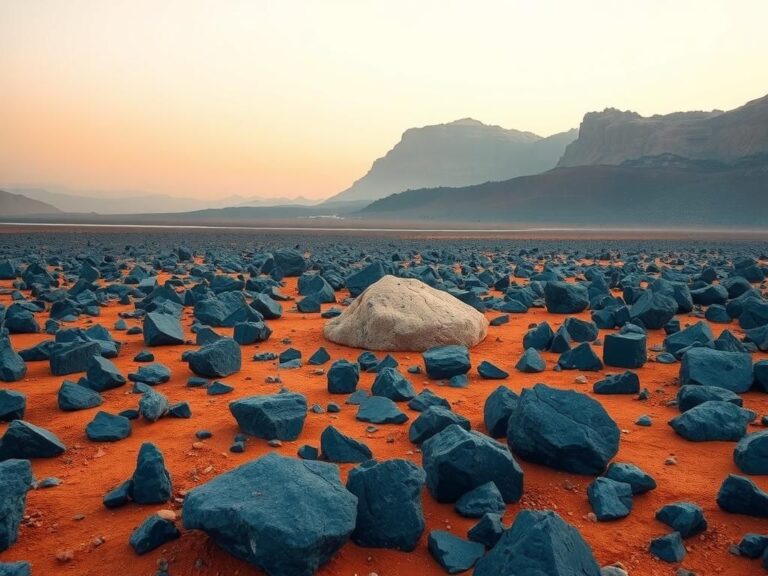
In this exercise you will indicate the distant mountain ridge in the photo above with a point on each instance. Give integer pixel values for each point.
(19, 205)
(110, 203)
(458, 153)
(659, 192)
(614, 136)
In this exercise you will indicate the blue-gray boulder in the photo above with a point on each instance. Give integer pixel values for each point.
(691, 395)
(389, 512)
(271, 417)
(106, 427)
(531, 362)
(102, 374)
(639, 480)
(625, 350)
(446, 361)
(161, 329)
(713, 420)
(708, 367)
(686, 518)
(153, 533)
(610, 499)
(15, 481)
(624, 383)
(216, 360)
(13, 405)
(751, 453)
(739, 495)
(390, 383)
(563, 429)
(539, 542)
(481, 500)
(25, 440)
(457, 460)
(499, 406)
(336, 447)
(453, 553)
(302, 516)
(565, 297)
(433, 420)
(151, 481)
(380, 410)
(12, 366)
(343, 377)
(70, 357)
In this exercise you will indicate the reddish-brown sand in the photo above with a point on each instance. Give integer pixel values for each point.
(99, 538)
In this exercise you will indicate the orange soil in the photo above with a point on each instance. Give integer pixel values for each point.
(89, 470)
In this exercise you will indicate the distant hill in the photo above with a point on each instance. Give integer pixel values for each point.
(19, 205)
(459, 153)
(111, 202)
(614, 136)
(664, 191)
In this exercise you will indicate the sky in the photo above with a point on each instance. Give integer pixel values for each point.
(211, 98)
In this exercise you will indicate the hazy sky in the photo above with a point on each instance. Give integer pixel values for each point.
(211, 98)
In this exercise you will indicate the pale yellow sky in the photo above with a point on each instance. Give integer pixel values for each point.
(211, 98)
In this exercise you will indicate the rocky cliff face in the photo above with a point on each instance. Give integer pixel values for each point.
(460, 153)
(613, 136)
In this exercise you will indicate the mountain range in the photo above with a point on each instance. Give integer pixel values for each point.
(459, 153)
(619, 169)
(125, 202)
(20, 205)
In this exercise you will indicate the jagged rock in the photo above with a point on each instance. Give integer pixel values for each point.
(13, 405)
(531, 362)
(562, 429)
(625, 350)
(319, 358)
(277, 416)
(565, 297)
(753, 545)
(669, 548)
(499, 406)
(251, 332)
(487, 531)
(739, 495)
(713, 420)
(12, 365)
(446, 361)
(691, 395)
(103, 375)
(360, 281)
(380, 410)
(639, 481)
(15, 481)
(653, 309)
(427, 398)
(25, 440)
(433, 420)
(539, 337)
(708, 367)
(343, 377)
(151, 374)
(683, 517)
(539, 542)
(389, 513)
(153, 533)
(336, 447)
(454, 554)
(72, 397)
(751, 453)
(282, 540)
(393, 385)
(457, 460)
(162, 329)
(490, 371)
(70, 357)
(106, 427)
(216, 360)
(624, 383)
(582, 357)
(406, 314)
(153, 405)
(15, 569)
(267, 307)
(610, 499)
(481, 500)
(699, 333)
(151, 482)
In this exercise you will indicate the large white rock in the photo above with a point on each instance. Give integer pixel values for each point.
(406, 314)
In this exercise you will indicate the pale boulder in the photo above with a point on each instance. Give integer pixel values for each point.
(406, 314)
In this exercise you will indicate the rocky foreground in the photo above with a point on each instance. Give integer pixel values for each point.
(170, 402)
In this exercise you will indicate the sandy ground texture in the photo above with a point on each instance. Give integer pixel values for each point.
(67, 530)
